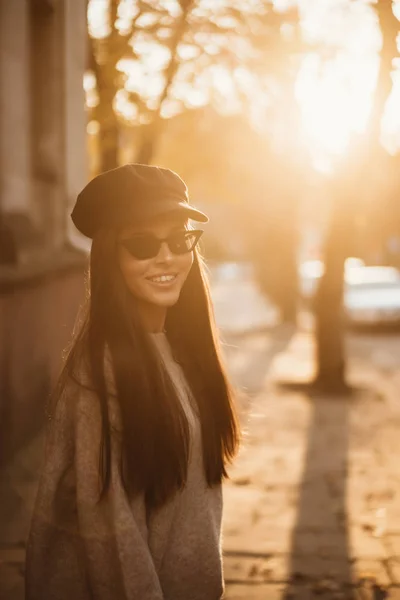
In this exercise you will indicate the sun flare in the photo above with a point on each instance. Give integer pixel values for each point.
(333, 91)
(335, 95)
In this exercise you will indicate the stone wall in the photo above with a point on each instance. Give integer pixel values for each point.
(36, 319)
(43, 165)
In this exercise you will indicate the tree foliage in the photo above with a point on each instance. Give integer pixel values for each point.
(159, 58)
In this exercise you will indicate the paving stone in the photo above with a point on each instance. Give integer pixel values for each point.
(254, 592)
(261, 539)
(280, 592)
(319, 542)
(393, 566)
(12, 555)
(363, 544)
(374, 570)
(11, 583)
(256, 569)
(393, 545)
(316, 568)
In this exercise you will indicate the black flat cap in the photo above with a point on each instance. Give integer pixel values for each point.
(130, 193)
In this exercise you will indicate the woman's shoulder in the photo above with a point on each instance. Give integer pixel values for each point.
(77, 389)
(81, 374)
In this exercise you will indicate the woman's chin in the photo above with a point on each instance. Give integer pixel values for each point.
(168, 302)
(164, 299)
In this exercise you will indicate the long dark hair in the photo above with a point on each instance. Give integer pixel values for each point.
(155, 437)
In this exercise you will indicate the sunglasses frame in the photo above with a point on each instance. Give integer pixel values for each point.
(197, 233)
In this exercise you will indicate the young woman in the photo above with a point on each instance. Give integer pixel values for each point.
(142, 421)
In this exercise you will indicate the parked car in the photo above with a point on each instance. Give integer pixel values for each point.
(371, 293)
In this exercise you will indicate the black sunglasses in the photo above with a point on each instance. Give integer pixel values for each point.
(147, 245)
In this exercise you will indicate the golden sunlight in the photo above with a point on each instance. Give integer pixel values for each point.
(335, 94)
(333, 91)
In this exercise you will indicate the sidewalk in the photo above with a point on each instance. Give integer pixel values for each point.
(18, 484)
(313, 506)
(239, 305)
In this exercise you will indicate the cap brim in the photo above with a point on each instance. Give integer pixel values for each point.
(172, 207)
(194, 214)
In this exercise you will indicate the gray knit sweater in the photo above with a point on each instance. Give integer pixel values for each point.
(78, 550)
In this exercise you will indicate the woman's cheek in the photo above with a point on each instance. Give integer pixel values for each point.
(134, 272)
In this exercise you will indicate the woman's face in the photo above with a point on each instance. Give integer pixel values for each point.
(155, 282)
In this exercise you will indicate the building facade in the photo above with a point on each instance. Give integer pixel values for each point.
(43, 165)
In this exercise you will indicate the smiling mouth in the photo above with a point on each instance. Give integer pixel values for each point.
(163, 279)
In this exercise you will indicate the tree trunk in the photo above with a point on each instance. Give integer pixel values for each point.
(152, 133)
(389, 26)
(109, 128)
(150, 136)
(274, 259)
(329, 329)
(107, 85)
(330, 346)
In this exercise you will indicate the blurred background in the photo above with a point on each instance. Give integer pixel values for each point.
(283, 117)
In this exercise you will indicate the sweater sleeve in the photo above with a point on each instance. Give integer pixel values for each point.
(78, 548)
(114, 533)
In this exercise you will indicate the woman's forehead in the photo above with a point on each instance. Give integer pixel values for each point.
(162, 223)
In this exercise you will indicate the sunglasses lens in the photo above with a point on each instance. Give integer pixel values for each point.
(183, 242)
(142, 247)
(147, 246)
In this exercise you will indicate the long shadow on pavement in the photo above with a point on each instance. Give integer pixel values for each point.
(319, 555)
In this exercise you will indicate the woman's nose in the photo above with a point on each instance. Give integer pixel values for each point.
(164, 254)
